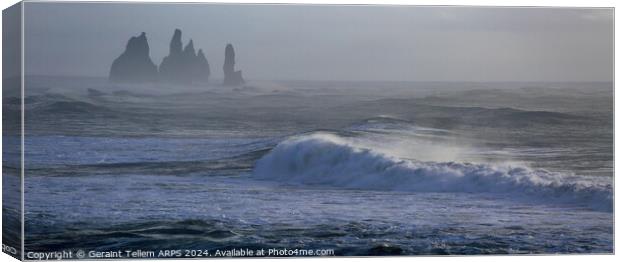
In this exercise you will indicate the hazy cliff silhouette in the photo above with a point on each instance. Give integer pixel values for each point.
(134, 64)
(231, 77)
(203, 71)
(183, 65)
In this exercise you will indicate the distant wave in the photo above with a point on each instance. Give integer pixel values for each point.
(56, 104)
(223, 166)
(391, 124)
(73, 107)
(510, 116)
(464, 115)
(331, 160)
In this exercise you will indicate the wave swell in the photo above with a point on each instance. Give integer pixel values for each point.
(329, 160)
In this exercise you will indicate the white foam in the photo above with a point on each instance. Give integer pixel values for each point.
(327, 159)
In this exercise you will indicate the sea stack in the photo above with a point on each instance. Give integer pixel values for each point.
(231, 77)
(134, 64)
(183, 65)
(202, 68)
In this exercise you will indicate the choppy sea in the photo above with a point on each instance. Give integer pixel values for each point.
(298, 165)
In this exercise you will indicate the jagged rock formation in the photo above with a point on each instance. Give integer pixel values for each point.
(231, 77)
(202, 67)
(134, 64)
(183, 65)
(170, 67)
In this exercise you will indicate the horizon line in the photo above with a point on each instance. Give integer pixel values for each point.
(362, 80)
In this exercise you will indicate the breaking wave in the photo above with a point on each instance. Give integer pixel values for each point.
(330, 160)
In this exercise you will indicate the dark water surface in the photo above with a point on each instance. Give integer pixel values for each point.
(363, 169)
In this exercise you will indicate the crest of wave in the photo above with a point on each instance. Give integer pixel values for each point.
(329, 160)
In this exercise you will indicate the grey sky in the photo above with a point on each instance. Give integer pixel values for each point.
(402, 43)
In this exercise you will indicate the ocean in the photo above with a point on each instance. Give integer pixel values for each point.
(360, 168)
